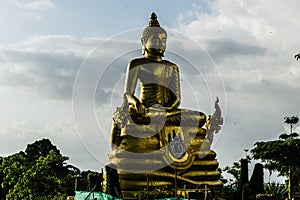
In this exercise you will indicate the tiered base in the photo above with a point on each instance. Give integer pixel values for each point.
(149, 162)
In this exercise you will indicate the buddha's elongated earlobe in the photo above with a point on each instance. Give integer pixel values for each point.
(143, 50)
(143, 47)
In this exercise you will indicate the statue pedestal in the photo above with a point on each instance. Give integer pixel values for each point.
(152, 157)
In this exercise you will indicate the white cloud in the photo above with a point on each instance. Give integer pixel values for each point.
(45, 65)
(60, 42)
(40, 5)
(253, 44)
(33, 8)
(34, 5)
(265, 22)
(62, 134)
(34, 15)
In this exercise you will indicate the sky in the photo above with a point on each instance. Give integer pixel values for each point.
(63, 64)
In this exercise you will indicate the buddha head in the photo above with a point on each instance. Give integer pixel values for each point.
(154, 38)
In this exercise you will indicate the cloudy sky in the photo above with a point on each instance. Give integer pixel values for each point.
(62, 66)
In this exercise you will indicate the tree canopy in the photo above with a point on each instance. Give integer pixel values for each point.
(281, 155)
(40, 172)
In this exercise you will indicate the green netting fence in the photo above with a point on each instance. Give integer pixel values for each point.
(80, 195)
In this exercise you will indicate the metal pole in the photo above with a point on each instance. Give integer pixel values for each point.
(175, 184)
(147, 186)
(243, 194)
(205, 192)
(75, 184)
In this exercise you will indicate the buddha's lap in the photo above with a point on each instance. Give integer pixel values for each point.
(178, 117)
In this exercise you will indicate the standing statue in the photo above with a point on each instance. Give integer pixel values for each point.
(151, 135)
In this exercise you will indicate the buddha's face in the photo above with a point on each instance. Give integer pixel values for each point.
(156, 43)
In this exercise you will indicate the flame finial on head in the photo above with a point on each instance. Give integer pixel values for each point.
(153, 21)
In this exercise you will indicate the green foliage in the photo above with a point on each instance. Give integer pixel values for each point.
(291, 120)
(87, 180)
(112, 181)
(239, 188)
(40, 148)
(234, 170)
(39, 173)
(13, 168)
(159, 192)
(285, 136)
(68, 180)
(2, 191)
(94, 181)
(281, 155)
(278, 191)
(82, 181)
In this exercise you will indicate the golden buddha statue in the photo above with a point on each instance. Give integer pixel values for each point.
(151, 135)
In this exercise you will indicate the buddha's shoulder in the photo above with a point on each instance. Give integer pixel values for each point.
(141, 61)
(173, 65)
(137, 62)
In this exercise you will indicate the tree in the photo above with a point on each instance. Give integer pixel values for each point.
(2, 192)
(278, 191)
(39, 173)
(112, 181)
(95, 181)
(13, 168)
(89, 180)
(40, 148)
(239, 188)
(68, 180)
(291, 121)
(38, 180)
(63, 171)
(281, 155)
(162, 192)
(236, 169)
